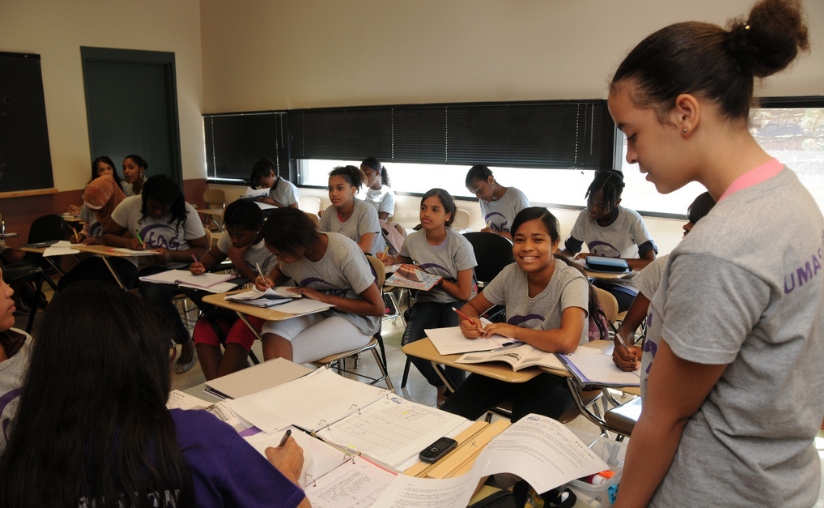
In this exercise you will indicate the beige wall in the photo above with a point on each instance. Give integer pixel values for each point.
(276, 54)
(57, 28)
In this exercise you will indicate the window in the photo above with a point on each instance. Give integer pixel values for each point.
(235, 141)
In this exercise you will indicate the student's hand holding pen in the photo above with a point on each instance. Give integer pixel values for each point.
(388, 259)
(262, 283)
(136, 244)
(628, 359)
(197, 268)
(472, 328)
(288, 459)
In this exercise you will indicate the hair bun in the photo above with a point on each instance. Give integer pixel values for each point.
(770, 39)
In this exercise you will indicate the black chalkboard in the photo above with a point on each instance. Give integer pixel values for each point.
(25, 159)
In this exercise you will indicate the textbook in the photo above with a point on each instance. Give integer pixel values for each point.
(265, 299)
(524, 356)
(410, 276)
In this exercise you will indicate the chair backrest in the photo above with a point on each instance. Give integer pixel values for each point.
(608, 303)
(208, 239)
(314, 218)
(380, 270)
(309, 204)
(401, 229)
(492, 252)
(461, 219)
(47, 228)
(214, 197)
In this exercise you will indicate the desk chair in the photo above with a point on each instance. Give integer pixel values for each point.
(310, 204)
(217, 198)
(391, 292)
(493, 253)
(314, 218)
(377, 340)
(461, 221)
(622, 419)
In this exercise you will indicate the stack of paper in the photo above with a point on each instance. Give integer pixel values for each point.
(185, 277)
(61, 248)
(451, 341)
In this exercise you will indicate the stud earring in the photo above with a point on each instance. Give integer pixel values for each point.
(685, 130)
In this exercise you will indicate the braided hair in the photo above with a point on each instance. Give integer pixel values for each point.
(165, 192)
(611, 183)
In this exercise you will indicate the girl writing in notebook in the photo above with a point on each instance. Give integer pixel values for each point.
(160, 220)
(242, 243)
(281, 192)
(499, 204)
(613, 231)
(349, 215)
(731, 374)
(547, 301)
(329, 268)
(439, 250)
(377, 192)
(92, 428)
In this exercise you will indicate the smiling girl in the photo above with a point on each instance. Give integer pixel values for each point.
(349, 215)
(547, 302)
(732, 379)
(134, 173)
(439, 250)
(329, 268)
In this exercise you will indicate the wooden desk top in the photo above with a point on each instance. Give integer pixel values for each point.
(103, 250)
(496, 370)
(218, 212)
(606, 347)
(219, 300)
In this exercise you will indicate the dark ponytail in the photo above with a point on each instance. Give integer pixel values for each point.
(705, 60)
(375, 164)
(353, 175)
(611, 183)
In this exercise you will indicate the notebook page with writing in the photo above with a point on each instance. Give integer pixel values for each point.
(310, 402)
(357, 483)
(391, 430)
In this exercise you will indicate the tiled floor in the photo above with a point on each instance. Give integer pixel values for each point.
(417, 389)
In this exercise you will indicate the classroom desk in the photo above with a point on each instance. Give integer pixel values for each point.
(214, 213)
(607, 276)
(3, 236)
(104, 251)
(219, 300)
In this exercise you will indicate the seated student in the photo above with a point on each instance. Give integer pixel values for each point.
(92, 428)
(612, 231)
(100, 199)
(377, 192)
(281, 192)
(161, 220)
(134, 170)
(440, 250)
(349, 215)
(329, 268)
(14, 359)
(499, 204)
(242, 242)
(100, 167)
(647, 282)
(547, 301)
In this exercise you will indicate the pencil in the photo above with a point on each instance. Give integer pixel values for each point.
(285, 438)
(138, 236)
(75, 235)
(621, 341)
(463, 316)
(194, 258)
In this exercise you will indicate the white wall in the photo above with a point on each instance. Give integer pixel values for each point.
(275, 54)
(57, 28)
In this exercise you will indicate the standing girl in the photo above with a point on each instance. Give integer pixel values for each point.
(242, 242)
(547, 301)
(329, 268)
(134, 172)
(731, 374)
(377, 192)
(161, 220)
(613, 231)
(439, 250)
(349, 215)
(499, 204)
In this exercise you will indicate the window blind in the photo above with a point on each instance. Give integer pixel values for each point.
(235, 141)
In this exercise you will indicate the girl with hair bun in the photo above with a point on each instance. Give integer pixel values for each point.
(731, 380)
(349, 215)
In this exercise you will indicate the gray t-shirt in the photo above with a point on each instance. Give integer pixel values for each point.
(256, 253)
(342, 271)
(500, 214)
(447, 259)
(618, 240)
(12, 372)
(364, 220)
(744, 289)
(158, 233)
(285, 192)
(649, 278)
(383, 199)
(567, 288)
(94, 228)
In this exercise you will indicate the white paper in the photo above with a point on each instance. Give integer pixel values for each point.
(256, 193)
(217, 288)
(357, 483)
(322, 457)
(304, 306)
(310, 402)
(62, 244)
(136, 252)
(392, 429)
(600, 369)
(391, 268)
(255, 294)
(538, 449)
(182, 400)
(451, 341)
(187, 277)
(59, 251)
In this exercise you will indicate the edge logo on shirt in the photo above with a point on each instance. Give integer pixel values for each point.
(160, 236)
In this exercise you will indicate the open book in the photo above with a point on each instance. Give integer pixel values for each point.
(266, 299)
(410, 276)
(523, 356)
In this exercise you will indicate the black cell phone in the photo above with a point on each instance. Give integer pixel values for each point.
(438, 449)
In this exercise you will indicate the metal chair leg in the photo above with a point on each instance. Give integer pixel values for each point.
(405, 373)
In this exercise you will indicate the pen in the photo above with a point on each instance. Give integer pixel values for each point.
(621, 341)
(464, 316)
(75, 235)
(285, 438)
(138, 236)
(194, 258)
